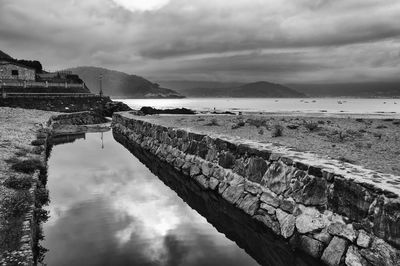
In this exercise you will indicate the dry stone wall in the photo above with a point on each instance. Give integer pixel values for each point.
(335, 213)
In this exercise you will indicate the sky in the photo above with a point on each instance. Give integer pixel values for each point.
(284, 41)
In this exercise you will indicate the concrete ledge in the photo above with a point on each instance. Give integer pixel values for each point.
(334, 211)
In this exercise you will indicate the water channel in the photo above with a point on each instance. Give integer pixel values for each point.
(109, 207)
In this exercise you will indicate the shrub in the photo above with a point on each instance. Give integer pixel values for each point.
(277, 131)
(238, 124)
(213, 122)
(18, 183)
(311, 126)
(28, 166)
(291, 126)
(42, 196)
(346, 160)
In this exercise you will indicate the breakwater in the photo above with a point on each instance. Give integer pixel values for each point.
(338, 214)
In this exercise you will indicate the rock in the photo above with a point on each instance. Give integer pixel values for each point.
(249, 204)
(381, 253)
(235, 179)
(288, 205)
(286, 222)
(270, 210)
(363, 239)
(278, 176)
(343, 230)
(354, 258)
(213, 183)
(252, 187)
(269, 222)
(194, 170)
(270, 198)
(256, 169)
(323, 236)
(310, 246)
(207, 168)
(219, 173)
(222, 187)
(226, 160)
(313, 191)
(186, 168)
(233, 193)
(386, 217)
(201, 180)
(334, 252)
(349, 198)
(307, 222)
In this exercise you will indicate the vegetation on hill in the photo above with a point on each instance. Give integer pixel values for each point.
(257, 89)
(119, 84)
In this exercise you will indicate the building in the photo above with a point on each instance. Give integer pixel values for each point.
(12, 71)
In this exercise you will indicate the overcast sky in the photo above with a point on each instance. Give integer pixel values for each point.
(220, 40)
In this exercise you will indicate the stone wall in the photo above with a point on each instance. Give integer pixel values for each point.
(58, 104)
(335, 212)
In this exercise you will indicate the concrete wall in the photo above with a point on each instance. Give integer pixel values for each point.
(335, 213)
(23, 72)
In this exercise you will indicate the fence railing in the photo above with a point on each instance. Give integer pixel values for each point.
(40, 84)
(49, 95)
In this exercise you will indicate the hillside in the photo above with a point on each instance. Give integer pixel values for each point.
(3, 55)
(261, 89)
(119, 84)
(361, 89)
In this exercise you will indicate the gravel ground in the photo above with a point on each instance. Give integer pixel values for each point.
(372, 143)
(17, 130)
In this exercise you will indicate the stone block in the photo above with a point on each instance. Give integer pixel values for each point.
(270, 198)
(256, 169)
(249, 204)
(278, 176)
(252, 187)
(269, 222)
(310, 246)
(202, 181)
(233, 193)
(309, 222)
(270, 210)
(286, 222)
(381, 253)
(333, 254)
(288, 205)
(194, 170)
(343, 230)
(213, 183)
(363, 239)
(226, 160)
(354, 258)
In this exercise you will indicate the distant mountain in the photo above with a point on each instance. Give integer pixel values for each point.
(361, 89)
(119, 84)
(3, 55)
(261, 89)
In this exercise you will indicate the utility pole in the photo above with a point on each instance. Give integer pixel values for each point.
(101, 85)
(3, 92)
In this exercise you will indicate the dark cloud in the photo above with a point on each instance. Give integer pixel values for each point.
(153, 36)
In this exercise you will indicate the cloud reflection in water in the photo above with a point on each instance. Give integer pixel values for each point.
(108, 209)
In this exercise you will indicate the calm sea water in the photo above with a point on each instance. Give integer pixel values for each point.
(319, 105)
(107, 208)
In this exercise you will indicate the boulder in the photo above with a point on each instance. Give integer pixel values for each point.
(309, 222)
(310, 246)
(270, 198)
(363, 239)
(278, 176)
(249, 204)
(233, 193)
(256, 169)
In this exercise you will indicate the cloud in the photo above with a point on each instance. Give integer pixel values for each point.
(151, 37)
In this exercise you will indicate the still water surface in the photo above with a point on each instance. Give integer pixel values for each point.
(107, 208)
(306, 105)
